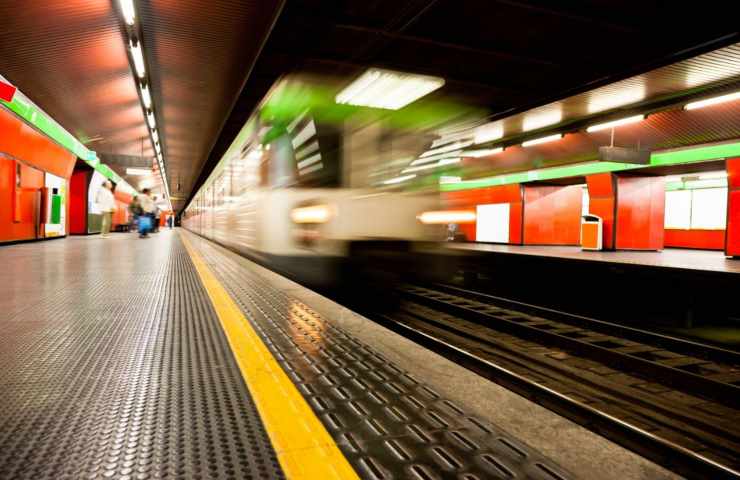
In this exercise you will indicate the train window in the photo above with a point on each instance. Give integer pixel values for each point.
(17, 175)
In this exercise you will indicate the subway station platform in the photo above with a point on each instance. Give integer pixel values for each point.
(171, 357)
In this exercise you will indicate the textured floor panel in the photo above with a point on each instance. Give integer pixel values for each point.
(387, 423)
(113, 365)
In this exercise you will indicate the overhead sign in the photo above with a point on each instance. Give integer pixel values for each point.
(7, 91)
(639, 156)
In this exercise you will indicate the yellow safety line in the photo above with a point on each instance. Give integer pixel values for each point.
(303, 446)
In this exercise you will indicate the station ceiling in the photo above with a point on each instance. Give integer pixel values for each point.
(69, 56)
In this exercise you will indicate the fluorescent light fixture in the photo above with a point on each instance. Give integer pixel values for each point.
(488, 132)
(712, 101)
(616, 95)
(447, 216)
(445, 179)
(710, 175)
(446, 148)
(387, 89)
(446, 161)
(151, 120)
(401, 179)
(146, 97)
(536, 120)
(312, 214)
(159, 157)
(546, 139)
(158, 148)
(155, 136)
(138, 57)
(615, 123)
(434, 158)
(128, 11)
(482, 153)
(309, 161)
(138, 171)
(308, 131)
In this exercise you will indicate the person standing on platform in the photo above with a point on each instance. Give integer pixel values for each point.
(136, 211)
(107, 205)
(147, 212)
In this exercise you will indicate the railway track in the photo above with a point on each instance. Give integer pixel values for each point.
(671, 400)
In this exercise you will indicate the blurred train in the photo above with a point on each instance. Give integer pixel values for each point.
(306, 191)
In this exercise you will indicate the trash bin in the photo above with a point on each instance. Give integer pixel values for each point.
(591, 232)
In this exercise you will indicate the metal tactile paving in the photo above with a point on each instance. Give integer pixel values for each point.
(387, 423)
(119, 368)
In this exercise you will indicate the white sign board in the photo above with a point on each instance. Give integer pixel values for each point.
(492, 224)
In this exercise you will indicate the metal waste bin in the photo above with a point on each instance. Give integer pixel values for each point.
(592, 236)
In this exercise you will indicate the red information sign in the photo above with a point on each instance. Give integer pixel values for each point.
(7, 91)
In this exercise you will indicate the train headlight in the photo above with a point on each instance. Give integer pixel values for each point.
(447, 216)
(312, 214)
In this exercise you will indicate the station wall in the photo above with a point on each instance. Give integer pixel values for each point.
(26, 156)
(552, 215)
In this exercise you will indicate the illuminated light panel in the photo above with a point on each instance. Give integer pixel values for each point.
(447, 216)
(309, 161)
(446, 161)
(434, 158)
(138, 171)
(387, 89)
(707, 102)
(615, 123)
(446, 148)
(446, 179)
(615, 96)
(308, 132)
(128, 11)
(400, 179)
(138, 57)
(312, 214)
(536, 120)
(482, 153)
(146, 97)
(155, 136)
(488, 132)
(151, 120)
(537, 141)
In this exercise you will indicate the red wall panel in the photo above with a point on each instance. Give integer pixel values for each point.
(25, 143)
(602, 191)
(640, 213)
(703, 239)
(552, 215)
(78, 202)
(469, 199)
(732, 240)
(19, 205)
(121, 215)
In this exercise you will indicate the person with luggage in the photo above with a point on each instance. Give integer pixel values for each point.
(147, 206)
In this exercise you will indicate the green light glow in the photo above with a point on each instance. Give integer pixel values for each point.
(659, 159)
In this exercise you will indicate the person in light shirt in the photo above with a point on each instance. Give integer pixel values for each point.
(107, 205)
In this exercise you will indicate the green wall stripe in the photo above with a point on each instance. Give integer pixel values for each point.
(658, 159)
(33, 115)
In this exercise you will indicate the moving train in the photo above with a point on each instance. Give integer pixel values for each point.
(305, 191)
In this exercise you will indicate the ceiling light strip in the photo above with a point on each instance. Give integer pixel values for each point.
(128, 12)
(615, 123)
